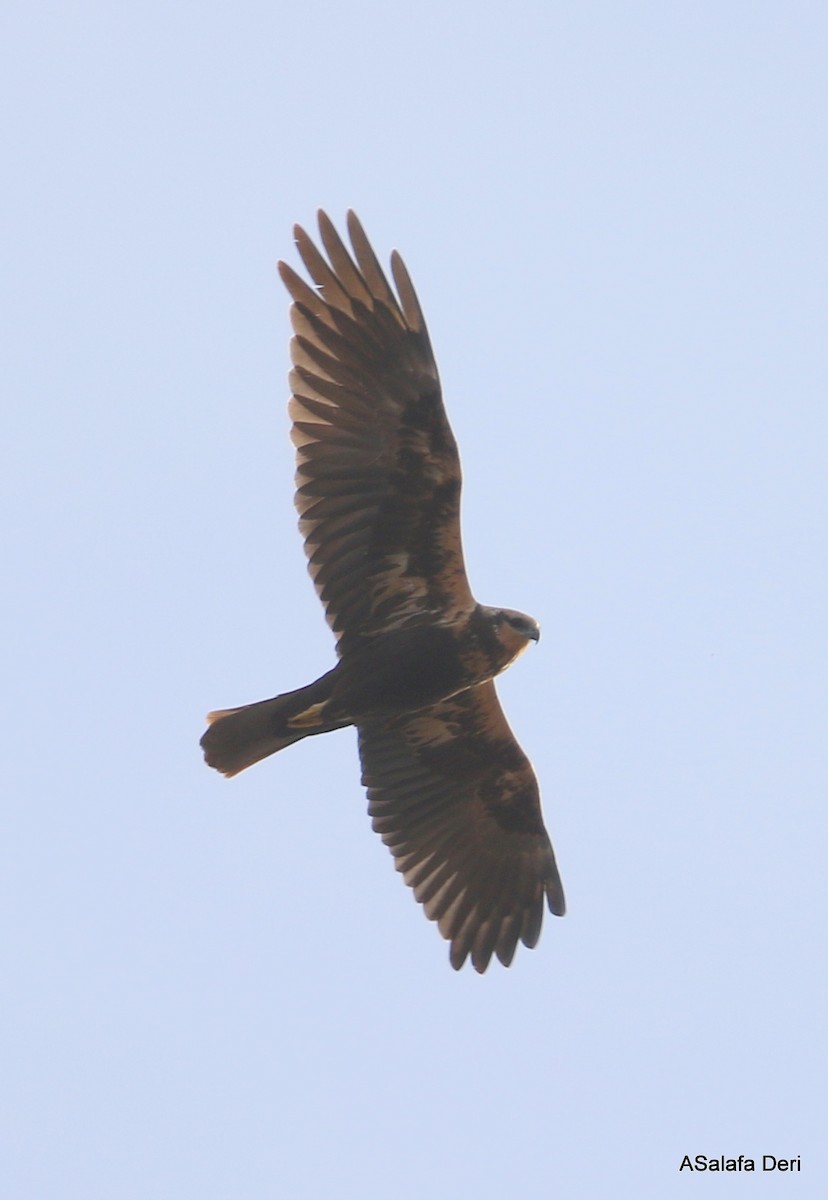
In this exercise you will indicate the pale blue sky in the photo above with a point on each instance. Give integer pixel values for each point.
(614, 214)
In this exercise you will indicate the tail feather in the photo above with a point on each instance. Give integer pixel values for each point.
(239, 737)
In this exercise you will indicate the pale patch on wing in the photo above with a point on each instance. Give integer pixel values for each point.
(430, 729)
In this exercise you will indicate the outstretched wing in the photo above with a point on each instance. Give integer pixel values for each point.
(378, 475)
(456, 801)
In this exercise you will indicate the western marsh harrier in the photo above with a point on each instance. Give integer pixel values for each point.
(450, 791)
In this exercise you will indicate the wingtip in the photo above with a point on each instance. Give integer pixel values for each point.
(326, 225)
(555, 898)
(289, 277)
(456, 958)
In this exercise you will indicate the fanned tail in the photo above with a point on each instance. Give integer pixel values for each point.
(239, 737)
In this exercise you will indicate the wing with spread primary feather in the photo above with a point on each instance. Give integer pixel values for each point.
(455, 799)
(378, 475)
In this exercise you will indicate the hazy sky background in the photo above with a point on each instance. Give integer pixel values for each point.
(615, 215)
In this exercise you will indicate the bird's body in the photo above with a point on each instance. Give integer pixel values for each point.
(378, 492)
(380, 675)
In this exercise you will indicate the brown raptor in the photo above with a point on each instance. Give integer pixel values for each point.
(450, 791)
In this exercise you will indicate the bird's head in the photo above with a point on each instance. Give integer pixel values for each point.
(514, 630)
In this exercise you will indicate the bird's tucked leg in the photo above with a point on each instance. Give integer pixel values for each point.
(310, 719)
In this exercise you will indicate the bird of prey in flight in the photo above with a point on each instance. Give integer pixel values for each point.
(450, 791)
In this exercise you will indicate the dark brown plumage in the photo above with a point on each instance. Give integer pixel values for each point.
(378, 492)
